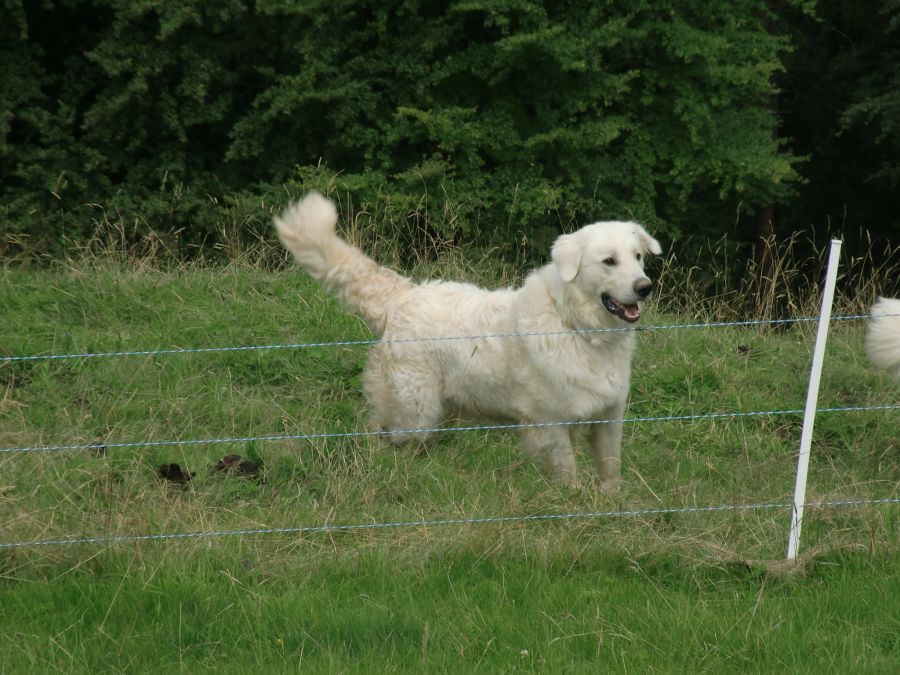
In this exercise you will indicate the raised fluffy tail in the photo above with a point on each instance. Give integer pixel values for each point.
(307, 229)
(883, 337)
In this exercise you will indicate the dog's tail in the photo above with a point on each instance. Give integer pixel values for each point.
(883, 337)
(307, 229)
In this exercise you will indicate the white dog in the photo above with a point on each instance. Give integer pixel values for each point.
(595, 281)
(883, 336)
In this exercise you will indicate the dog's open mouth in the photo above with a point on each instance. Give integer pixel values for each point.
(629, 313)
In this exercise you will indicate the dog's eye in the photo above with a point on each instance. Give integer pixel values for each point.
(638, 257)
(609, 261)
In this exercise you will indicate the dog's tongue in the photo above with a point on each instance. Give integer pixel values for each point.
(631, 312)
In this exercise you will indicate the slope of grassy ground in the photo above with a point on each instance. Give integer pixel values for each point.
(663, 592)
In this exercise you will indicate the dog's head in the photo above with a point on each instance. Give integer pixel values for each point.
(605, 262)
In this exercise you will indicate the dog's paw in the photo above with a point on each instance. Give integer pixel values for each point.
(609, 484)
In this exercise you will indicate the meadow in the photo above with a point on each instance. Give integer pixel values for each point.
(653, 592)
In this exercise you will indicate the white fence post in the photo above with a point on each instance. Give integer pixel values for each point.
(812, 397)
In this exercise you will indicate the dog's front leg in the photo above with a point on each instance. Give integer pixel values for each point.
(551, 449)
(606, 446)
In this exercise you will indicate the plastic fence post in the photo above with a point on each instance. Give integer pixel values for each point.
(812, 396)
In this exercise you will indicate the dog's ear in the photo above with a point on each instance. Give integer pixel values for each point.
(649, 243)
(566, 254)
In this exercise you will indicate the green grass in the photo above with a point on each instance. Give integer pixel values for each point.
(657, 592)
(472, 607)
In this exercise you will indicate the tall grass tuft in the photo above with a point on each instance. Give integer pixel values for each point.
(711, 282)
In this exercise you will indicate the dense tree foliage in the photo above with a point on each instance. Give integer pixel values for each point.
(841, 110)
(484, 119)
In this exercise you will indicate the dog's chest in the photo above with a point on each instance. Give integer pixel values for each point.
(572, 379)
(587, 386)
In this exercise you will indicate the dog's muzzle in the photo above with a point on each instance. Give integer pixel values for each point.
(629, 312)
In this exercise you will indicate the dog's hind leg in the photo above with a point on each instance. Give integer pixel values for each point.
(551, 449)
(418, 414)
(379, 392)
(409, 407)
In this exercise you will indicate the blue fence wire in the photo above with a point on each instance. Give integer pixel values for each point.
(480, 427)
(355, 343)
(443, 522)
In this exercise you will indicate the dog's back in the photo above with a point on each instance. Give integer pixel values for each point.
(883, 337)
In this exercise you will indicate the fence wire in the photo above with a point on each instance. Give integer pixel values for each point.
(443, 522)
(355, 343)
(102, 446)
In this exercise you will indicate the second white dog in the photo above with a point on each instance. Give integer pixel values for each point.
(883, 335)
(595, 281)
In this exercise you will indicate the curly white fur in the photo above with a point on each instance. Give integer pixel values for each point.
(883, 336)
(594, 280)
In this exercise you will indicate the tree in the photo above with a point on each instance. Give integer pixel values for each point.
(511, 115)
(841, 107)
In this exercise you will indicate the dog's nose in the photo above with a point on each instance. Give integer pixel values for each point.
(643, 287)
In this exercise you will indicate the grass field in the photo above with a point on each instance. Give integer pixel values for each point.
(657, 592)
